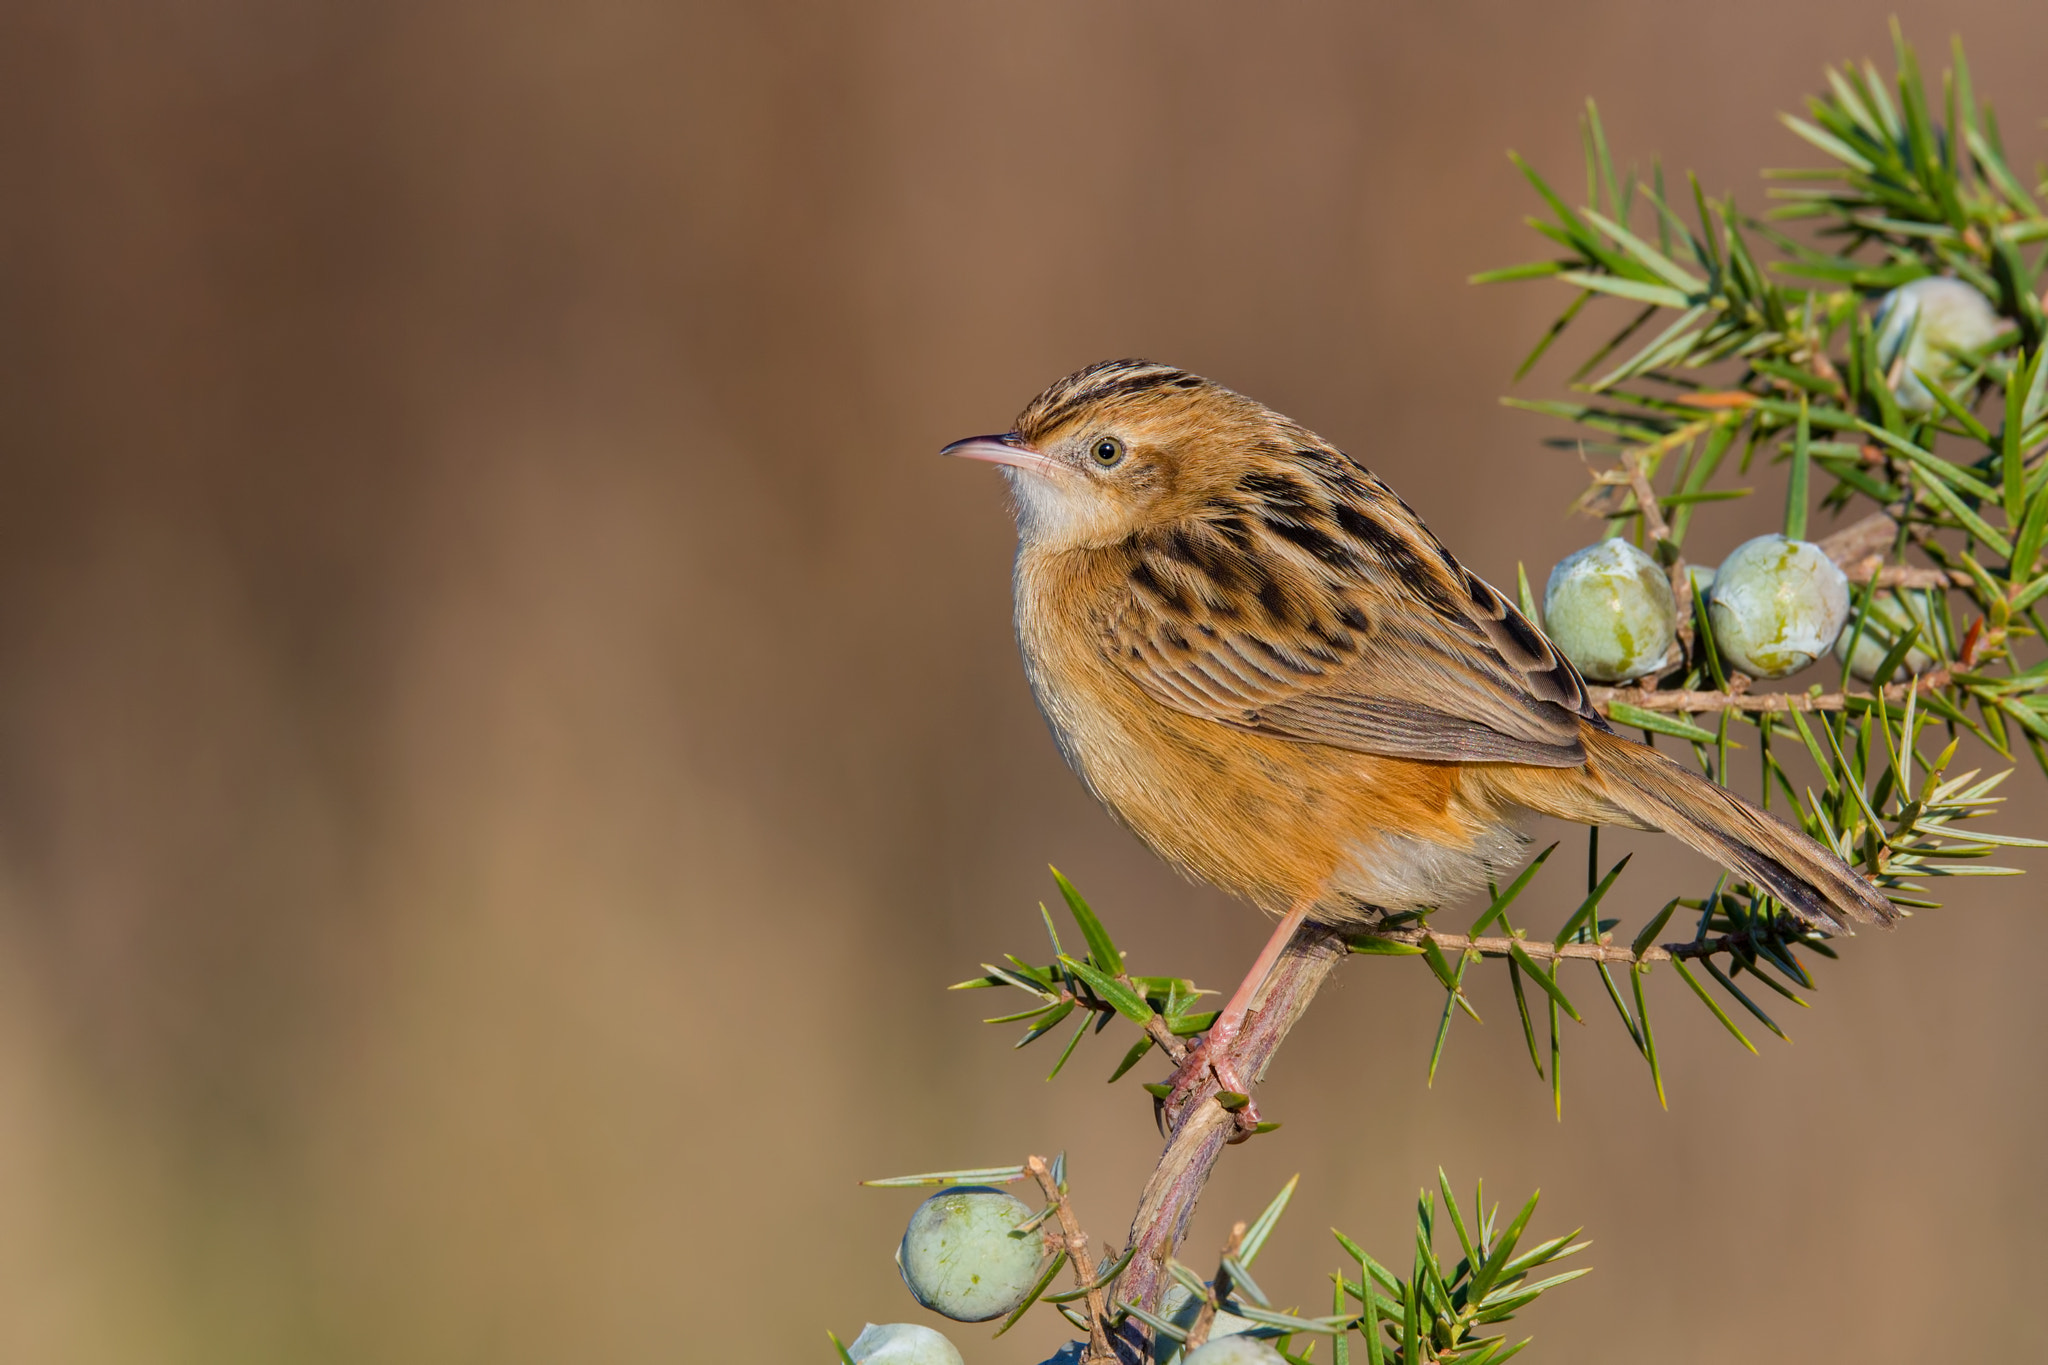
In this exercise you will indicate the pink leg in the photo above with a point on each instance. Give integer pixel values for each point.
(1214, 1053)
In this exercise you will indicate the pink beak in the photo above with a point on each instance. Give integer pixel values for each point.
(1009, 449)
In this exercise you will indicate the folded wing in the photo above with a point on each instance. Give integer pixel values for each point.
(1327, 613)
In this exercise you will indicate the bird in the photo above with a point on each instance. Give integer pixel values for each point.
(1259, 659)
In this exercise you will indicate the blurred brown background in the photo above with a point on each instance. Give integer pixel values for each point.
(505, 726)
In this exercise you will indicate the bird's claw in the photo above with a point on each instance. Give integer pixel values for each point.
(1211, 1057)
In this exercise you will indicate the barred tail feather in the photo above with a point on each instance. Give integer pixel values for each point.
(1816, 885)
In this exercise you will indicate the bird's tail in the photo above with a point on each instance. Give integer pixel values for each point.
(1815, 884)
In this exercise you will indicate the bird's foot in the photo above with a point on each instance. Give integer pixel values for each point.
(1211, 1057)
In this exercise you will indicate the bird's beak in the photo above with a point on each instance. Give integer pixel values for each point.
(1008, 448)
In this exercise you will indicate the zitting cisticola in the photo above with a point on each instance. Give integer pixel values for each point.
(1258, 657)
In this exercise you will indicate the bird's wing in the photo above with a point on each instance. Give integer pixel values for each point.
(1331, 615)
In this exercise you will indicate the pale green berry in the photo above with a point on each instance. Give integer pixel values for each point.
(1943, 317)
(1886, 622)
(902, 1343)
(1609, 608)
(1236, 1351)
(1700, 576)
(1777, 605)
(963, 1256)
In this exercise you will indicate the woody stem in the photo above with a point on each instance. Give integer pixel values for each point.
(1204, 1128)
(1076, 1243)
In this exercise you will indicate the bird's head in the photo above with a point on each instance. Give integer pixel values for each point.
(1120, 447)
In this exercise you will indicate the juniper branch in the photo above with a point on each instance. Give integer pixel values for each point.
(1501, 946)
(1077, 1254)
(1205, 1127)
(1693, 702)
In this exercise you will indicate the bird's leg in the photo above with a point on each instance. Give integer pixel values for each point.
(1213, 1054)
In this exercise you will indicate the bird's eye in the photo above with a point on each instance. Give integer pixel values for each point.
(1108, 452)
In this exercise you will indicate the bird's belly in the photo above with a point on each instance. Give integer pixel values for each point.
(1272, 820)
